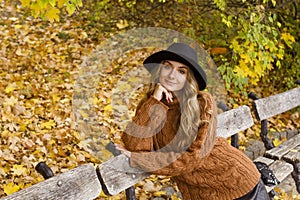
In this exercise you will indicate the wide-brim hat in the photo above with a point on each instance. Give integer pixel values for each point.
(182, 53)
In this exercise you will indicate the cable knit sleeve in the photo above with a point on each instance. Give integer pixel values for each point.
(149, 118)
(174, 164)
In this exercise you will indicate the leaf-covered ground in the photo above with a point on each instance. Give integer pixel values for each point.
(39, 64)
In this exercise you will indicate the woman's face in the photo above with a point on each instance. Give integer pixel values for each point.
(173, 75)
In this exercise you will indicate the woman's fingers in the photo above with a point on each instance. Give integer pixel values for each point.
(119, 147)
(169, 96)
(123, 150)
(160, 90)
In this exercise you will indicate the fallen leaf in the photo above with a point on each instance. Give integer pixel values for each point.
(10, 188)
(19, 170)
(48, 125)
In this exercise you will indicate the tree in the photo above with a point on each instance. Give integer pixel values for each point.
(248, 39)
(50, 9)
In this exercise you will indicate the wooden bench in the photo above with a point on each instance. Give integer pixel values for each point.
(79, 183)
(115, 175)
(285, 158)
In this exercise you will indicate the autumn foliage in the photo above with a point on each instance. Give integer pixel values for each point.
(39, 62)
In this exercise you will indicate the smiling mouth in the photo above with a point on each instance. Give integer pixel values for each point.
(170, 82)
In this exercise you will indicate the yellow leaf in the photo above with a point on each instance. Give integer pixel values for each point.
(48, 125)
(11, 101)
(240, 71)
(122, 24)
(108, 108)
(236, 46)
(18, 26)
(19, 170)
(51, 142)
(52, 14)
(65, 100)
(159, 193)
(70, 8)
(174, 197)
(22, 126)
(96, 101)
(102, 194)
(10, 188)
(52, 2)
(25, 3)
(279, 56)
(60, 3)
(55, 97)
(278, 63)
(11, 87)
(152, 178)
(36, 9)
(246, 58)
(288, 39)
(258, 68)
(43, 4)
(277, 142)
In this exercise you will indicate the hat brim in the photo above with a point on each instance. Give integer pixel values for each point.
(151, 62)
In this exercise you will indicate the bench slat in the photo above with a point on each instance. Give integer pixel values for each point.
(281, 170)
(234, 121)
(117, 175)
(79, 183)
(265, 160)
(276, 104)
(284, 148)
(293, 156)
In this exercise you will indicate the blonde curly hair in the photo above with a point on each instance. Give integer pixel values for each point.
(190, 111)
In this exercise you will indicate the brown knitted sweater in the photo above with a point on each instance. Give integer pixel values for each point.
(209, 169)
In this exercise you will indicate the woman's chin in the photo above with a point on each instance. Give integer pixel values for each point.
(169, 88)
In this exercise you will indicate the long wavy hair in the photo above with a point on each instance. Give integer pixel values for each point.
(190, 111)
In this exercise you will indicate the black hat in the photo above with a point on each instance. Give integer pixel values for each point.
(182, 53)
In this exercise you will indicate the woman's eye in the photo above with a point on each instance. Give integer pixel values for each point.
(182, 71)
(167, 66)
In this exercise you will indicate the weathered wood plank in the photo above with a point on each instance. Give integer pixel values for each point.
(281, 170)
(284, 148)
(117, 180)
(116, 175)
(276, 104)
(234, 121)
(265, 160)
(293, 156)
(79, 183)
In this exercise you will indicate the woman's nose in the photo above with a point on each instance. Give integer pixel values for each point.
(172, 73)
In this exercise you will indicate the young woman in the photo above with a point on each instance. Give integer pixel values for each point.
(174, 133)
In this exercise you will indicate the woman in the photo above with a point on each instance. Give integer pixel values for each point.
(174, 133)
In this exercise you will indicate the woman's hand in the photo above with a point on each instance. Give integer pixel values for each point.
(123, 150)
(159, 91)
